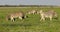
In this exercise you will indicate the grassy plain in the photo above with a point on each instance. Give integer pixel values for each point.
(30, 24)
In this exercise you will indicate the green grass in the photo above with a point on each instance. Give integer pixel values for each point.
(30, 24)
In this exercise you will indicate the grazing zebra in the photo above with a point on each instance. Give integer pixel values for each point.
(53, 12)
(49, 14)
(31, 12)
(12, 16)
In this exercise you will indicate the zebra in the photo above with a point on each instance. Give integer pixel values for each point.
(31, 12)
(49, 14)
(12, 16)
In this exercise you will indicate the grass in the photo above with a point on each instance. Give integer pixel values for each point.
(30, 24)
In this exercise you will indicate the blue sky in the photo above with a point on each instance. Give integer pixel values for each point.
(30, 2)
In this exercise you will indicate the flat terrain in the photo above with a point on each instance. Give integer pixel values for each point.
(30, 24)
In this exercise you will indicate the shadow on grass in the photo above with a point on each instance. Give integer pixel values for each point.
(16, 25)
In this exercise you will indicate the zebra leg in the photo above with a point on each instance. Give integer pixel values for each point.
(20, 17)
(42, 18)
(50, 18)
(12, 19)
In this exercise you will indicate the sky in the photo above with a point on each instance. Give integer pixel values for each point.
(30, 2)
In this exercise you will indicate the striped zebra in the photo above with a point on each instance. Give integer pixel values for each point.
(31, 12)
(13, 16)
(49, 14)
